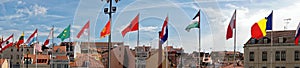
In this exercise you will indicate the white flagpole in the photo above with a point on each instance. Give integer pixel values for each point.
(234, 41)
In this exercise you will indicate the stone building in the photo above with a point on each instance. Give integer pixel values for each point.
(275, 50)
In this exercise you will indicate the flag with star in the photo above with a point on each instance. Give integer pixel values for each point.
(65, 34)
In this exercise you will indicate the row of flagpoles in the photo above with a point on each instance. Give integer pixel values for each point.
(258, 31)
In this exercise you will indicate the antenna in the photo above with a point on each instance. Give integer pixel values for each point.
(287, 21)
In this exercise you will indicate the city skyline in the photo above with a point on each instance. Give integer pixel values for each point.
(215, 17)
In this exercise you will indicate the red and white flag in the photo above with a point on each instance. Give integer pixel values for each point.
(231, 26)
(5, 45)
(32, 35)
(133, 26)
(85, 27)
(49, 37)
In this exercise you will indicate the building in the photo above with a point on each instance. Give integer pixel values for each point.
(59, 58)
(174, 55)
(16, 55)
(277, 51)
(142, 53)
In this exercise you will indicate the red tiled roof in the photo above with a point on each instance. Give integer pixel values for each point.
(61, 57)
(62, 48)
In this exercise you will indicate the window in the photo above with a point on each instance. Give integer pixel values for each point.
(296, 56)
(280, 39)
(66, 66)
(277, 56)
(11, 50)
(283, 56)
(265, 40)
(253, 41)
(264, 67)
(264, 56)
(18, 56)
(58, 66)
(297, 67)
(251, 56)
(280, 55)
(11, 56)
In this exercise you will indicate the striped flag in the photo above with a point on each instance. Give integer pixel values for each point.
(49, 37)
(231, 26)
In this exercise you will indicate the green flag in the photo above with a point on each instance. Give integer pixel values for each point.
(65, 34)
(195, 24)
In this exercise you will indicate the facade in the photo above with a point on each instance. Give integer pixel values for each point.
(174, 55)
(142, 53)
(280, 52)
(15, 54)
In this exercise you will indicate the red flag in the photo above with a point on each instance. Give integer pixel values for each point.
(6, 46)
(85, 27)
(31, 36)
(106, 30)
(49, 37)
(133, 26)
(231, 26)
(11, 36)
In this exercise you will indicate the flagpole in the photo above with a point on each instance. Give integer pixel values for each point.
(37, 34)
(52, 35)
(109, 37)
(199, 42)
(88, 43)
(234, 41)
(272, 40)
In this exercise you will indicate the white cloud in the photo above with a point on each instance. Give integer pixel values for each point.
(149, 28)
(33, 10)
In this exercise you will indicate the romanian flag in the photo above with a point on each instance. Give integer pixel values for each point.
(106, 30)
(133, 26)
(297, 35)
(258, 30)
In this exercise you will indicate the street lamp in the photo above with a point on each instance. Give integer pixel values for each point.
(109, 11)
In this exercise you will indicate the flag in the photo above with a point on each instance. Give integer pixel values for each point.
(231, 26)
(164, 32)
(65, 34)
(297, 35)
(133, 26)
(49, 37)
(21, 40)
(6, 46)
(32, 35)
(195, 22)
(38, 47)
(258, 30)
(269, 21)
(85, 27)
(106, 30)
(6, 40)
(32, 41)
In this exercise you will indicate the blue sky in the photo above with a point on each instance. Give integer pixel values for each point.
(26, 15)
